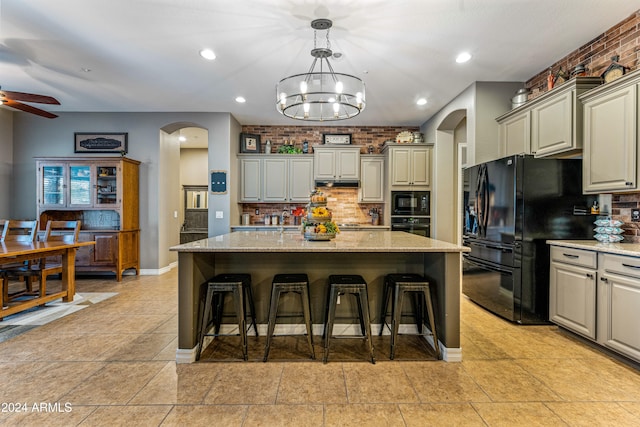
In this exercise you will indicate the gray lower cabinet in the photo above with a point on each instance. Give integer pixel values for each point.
(597, 295)
(619, 304)
(572, 298)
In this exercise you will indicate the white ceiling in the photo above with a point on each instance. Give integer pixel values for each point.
(143, 54)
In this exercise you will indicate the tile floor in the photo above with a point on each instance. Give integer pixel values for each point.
(113, 364)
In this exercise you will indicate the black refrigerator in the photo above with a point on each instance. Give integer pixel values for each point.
(511, 207)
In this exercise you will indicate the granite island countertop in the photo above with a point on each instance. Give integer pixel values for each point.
(630, 249)
(276, 241)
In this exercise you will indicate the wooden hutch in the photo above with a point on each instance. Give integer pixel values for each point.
(103, 193)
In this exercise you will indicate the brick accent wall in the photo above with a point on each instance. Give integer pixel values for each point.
(342, 202)
(363, 136)
(621, 206)
(623, 39)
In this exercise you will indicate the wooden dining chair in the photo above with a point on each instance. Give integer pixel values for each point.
(56, 231)
(4, 227)
(23, 232)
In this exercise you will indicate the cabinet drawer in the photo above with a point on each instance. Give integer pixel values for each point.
(578, 257)
(620, 264)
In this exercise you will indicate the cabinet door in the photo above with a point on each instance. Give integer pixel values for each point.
(400, 166)
(108, 178)
(348, 164)
(572, 298)
(324, 164)
(371, 180)
(274, 177)
(250, 178)
(84, 254)
(515, 135)
(105, 251)
(80, 185)
(420, 166)
(552, 126)
(609, 157)
(300, 179)
(620, 307)
(52, 179)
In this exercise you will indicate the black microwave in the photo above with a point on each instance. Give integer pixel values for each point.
(414, 203)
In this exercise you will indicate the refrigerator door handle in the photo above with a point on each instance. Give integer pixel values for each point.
(486, 266)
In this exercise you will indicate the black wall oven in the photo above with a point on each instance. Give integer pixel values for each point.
(416, 225)
(410, 203)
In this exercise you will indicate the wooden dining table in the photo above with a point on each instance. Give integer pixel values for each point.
(17, 252)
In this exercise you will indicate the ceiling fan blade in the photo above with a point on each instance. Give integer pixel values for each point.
(28, 108)
(29, 97)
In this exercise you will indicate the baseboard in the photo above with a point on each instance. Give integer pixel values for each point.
(158, 271)
(186, 355)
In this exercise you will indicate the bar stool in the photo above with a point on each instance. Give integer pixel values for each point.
(240, 287)
(283, 283)
(356, 286)
(398, 285)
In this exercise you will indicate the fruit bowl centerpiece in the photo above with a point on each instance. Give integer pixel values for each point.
(317, 224)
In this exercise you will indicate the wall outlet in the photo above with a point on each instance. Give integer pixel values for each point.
(219, 215)
(635, 215)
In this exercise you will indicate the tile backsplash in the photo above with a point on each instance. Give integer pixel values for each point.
(342, 202)
(621, 207)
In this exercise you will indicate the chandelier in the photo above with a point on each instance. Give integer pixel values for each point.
(322, 94)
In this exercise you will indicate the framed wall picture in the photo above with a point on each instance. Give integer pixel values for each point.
(101, 142)
(249, 143)
(336, 138)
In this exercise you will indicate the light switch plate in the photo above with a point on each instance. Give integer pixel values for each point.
(635, 215)
(219, 215)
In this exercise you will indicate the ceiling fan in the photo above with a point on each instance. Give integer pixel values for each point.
(12, 99)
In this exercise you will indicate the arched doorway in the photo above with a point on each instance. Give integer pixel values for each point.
(184, 161)
(451, 140)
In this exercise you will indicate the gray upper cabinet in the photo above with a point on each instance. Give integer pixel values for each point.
(372, 182)
(610, 160)
(250, 180)
(275, 179)
(515, 134)
(550, 125)
(409, 165)
(337, 163)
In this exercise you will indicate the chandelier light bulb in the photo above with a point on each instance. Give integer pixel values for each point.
(359, 99)
(303, 87)
(306, 106)
(339, 87)
(283, 100)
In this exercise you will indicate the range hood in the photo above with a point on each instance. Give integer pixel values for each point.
(341, 184)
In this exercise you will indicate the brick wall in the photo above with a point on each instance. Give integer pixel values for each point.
(345, 208)
(363, 136)
(623, 40)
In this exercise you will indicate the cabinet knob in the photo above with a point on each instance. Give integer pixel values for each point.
(628, 184)
(604, 279)
(589, 276)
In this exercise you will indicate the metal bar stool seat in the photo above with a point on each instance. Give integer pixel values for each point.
(397, 285)
(283, 283)
(348, 284)
(239, 285)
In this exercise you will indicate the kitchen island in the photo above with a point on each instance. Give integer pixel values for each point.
(371, 254)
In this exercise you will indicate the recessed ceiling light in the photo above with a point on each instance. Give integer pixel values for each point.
(463, 57)
(182, 138)
(241, 99)
(208, 54)
(421, 101)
